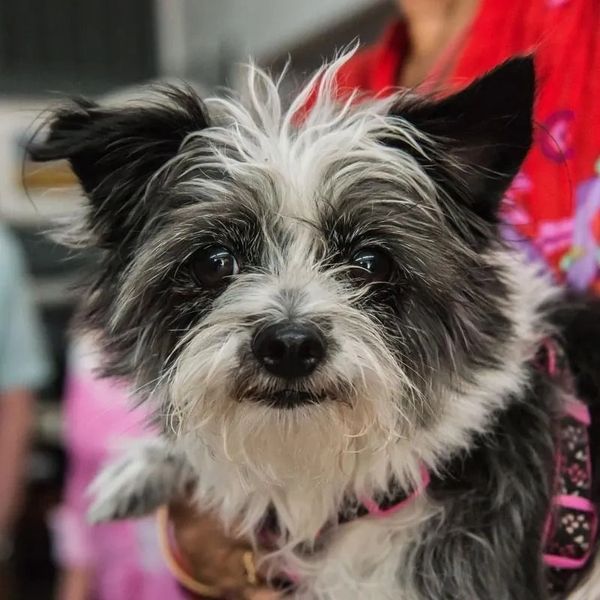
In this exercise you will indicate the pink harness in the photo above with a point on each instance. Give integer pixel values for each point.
(573, 516)
(572, 523)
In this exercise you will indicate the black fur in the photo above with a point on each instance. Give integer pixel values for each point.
(408, 302)
(496, 497)
(482, 134)
(115, 153)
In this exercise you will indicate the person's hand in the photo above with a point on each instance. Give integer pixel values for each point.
(216, 559)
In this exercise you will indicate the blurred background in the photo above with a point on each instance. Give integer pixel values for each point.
(53, 48)
(50, 49)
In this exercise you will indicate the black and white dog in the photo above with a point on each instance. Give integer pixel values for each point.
(323, 311)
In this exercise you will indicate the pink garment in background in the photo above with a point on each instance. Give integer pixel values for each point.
(123, 557)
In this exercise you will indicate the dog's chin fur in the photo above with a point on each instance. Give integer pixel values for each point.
(427, 368)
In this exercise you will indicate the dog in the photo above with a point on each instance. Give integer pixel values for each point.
(320, 307)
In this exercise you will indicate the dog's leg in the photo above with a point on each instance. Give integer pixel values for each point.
(148, 475)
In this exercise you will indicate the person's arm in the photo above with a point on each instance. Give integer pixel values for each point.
(75, 583)
(16, 419)
(23, 369)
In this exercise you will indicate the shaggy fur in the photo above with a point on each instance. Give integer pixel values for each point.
(432, 365)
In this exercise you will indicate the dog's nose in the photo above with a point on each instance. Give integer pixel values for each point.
(289, 350)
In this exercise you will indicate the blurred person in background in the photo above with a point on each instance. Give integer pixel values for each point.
(23, 369)
(438, 46)
(111, 561)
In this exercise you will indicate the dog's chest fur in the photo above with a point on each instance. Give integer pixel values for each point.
(367, 557)
(485, 506)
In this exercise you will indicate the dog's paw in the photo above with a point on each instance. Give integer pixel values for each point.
(147, 476)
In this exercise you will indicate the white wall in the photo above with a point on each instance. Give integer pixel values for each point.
(18, 121)
(266, 26)
(199, 34)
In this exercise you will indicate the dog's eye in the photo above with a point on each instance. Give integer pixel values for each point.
(371, 265)
(212, 266)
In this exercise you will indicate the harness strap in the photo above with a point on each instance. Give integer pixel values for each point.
(572, 523)
(380, 510)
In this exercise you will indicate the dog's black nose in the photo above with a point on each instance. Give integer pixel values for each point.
(289, 350)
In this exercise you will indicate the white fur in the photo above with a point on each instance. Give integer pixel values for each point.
(149, 471)
(589, 589)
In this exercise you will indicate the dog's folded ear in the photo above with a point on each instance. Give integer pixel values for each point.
(480, 135)
(116, 152)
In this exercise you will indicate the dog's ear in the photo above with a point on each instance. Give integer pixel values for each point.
(115, 153)
(479, 136)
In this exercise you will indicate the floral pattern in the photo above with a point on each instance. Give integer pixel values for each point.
(582, 261)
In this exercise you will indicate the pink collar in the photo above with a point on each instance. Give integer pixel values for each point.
(387, 506)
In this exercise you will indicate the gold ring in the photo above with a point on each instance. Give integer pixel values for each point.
(248, 560)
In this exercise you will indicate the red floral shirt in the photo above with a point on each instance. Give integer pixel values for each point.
(554, 202)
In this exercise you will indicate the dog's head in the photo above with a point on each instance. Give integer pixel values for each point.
(293, 289)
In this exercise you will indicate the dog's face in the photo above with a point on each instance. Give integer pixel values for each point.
(295, 288)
